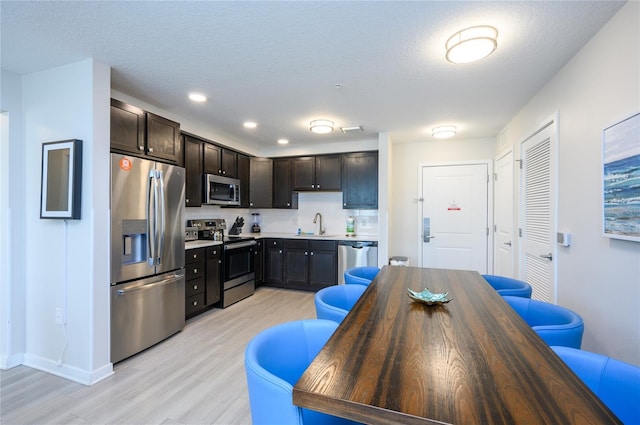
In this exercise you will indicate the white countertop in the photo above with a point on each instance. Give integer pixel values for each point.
(329, 237)
(263, 235)
(201, 244)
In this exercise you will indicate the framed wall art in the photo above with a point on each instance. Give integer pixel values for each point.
(621, 179)
(61, 179)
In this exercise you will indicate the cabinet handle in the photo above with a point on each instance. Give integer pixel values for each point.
(195, 270)
(311, 252)
(280, 252)
(187, 200)
(219, 171)
(219, 261)
(313, 186)
(195, 287)
(318, 187)
(195, 256)
(140, 148)
(150, 149)
(345, 204)
(195, 303)
(306, 253)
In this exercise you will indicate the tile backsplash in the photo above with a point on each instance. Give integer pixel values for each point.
(328, 204)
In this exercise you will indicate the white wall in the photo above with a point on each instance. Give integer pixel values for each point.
(13, 219)
(598, 277)
(64, 261)
(404, 221)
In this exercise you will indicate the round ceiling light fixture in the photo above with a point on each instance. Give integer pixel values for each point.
(250, 124)
(444, 131)
(471, 44)
(283, 141)
(321, 126)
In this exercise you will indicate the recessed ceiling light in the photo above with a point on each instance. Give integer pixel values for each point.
(250, 124)
(197, 97)
(321, 126)
(471, 44)
(283, 141)
(444, 131)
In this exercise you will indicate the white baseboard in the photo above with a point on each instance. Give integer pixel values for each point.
(71, 373)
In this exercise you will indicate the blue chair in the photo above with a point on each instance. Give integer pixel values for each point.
(274, 361)
(616, 383)
(360, 275)
(334, 302)
(556, 325)
(508, 286)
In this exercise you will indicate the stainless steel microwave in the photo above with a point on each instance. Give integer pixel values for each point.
(219, 190)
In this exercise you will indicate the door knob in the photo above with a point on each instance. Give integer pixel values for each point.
(548, 256)
(508, 243)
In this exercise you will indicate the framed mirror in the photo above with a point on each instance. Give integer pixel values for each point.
(61, 179)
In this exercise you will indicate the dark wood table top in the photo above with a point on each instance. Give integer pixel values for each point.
(471, 361)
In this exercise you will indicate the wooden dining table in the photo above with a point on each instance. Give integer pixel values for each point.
(472, 360)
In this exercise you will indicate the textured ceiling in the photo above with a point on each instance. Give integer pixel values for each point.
(279, 63)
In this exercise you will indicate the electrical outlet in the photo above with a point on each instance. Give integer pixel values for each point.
(59, 316)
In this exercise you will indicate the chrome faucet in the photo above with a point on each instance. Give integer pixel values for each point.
(321, 232)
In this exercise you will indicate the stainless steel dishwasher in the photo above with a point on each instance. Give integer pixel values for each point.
(356, 254)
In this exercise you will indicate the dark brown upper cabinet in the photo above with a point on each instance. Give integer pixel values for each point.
(144, 134)
(193, 171)
(260, 183)
(322, 172)
(220, 161)
(360, 180)
(283, 194)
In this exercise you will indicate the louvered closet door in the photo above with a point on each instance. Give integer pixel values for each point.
(537, 256)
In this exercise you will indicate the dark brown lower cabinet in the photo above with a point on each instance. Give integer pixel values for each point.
(300, 263)
(203, 279)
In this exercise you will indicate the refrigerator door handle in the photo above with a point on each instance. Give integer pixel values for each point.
(151, 228)
(162, 213)
(167, 281)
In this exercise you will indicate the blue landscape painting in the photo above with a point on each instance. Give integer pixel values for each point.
(622, 179)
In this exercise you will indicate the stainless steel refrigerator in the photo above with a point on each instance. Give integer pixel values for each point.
(147, 253)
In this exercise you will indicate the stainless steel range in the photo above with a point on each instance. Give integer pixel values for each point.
(238, 275)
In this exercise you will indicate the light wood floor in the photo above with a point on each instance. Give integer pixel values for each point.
(195, 377)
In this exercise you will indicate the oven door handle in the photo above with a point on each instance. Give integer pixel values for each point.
(237, 245)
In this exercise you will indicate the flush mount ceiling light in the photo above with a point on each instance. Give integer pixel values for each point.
(444, 132)
(250, 124)
(321, 126)
(197, 97)
(283, 141)
(472, 44)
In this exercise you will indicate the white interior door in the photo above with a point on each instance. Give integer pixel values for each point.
(503, 258)
(455, 217)
(538, 221)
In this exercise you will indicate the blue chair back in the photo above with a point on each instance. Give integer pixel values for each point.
(556, 325)
(616, 383)
(508, 286)
(360, 275)
(274, 361)
(334, 302)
